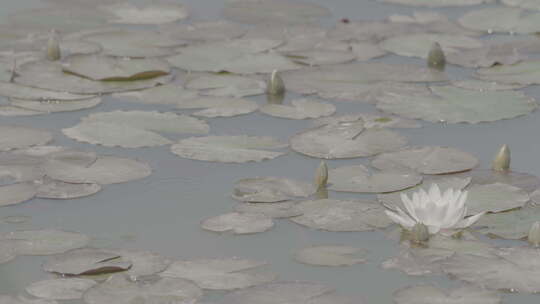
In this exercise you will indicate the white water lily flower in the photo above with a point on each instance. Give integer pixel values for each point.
(435, 210)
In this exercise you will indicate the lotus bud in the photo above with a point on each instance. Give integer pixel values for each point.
(534, 234)
(419, 233)
(53, 47)
(321, 175)
(436, 58)
(275, 84)
(501, 162)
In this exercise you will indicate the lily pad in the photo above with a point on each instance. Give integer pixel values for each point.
(495, 198)
(50, 75)
(528, 4)
(356, 81)
(133, 129)
(438, 3)
(345, 140)
(143, 263)
(299, 109)
(86, 261)
(14, 90)
(524, 181)
(274, 210)
(331, 255)
(501, 20)
(321, 57)
(226, 85)
(45, 242)
(11, 111)
(454, 105)
(7, 251)
(169, 94)
(525, 73)
(121, 290)
(270, 189)
(60, 289)
(105, 170)
(228, 149)
(336, 215)
(218, 106)
(150, 13)
(512, 225)
(480, 85)
(371, 121)
(418, 45)
(357, 178)
(429, 294)
(511, 269)
(17, 193)
(53, 106)
(274, 12)
(219, 274)
(426, 160)
(53, 189)
(106, 68)
(205, 31)
(238, 223)
(16, 137)
(7, 299)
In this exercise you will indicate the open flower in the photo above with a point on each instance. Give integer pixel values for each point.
(435, 210)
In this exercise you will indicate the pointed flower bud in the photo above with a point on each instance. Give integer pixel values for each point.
(321, 175)
(436, 58)
(53, 46)
(501, 162)
(534, 234)
(275, 84)
(419, 233)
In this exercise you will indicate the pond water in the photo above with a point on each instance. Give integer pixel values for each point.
(162, 212)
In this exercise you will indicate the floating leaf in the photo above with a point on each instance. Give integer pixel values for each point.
(14, 90)
(106, 68)
(428, 294)
(150, 13)
(120, 289)
(105, 170)
(16, 193)
(205, 30)
(501, 20)
(495, 198)
(169, 94)
(235, 149)
(54, 106)
(219, 274)
(133, 129)
(238, 223)
(274, 12)
(7, 251)
(454, 105)
(438, 3)
(299, 109)
(226, 85)
(357, 81)
(45, 242)
(320, 57)
(524, 72)
(511, 269)
(143, 263)
(371, 121)
(53, 189)
(274, 210)
(345, 140)
(513, 225)
(219, 106)
(529, 4)
(335, 215)
(524, 181)
(270, 189)
(60, 289)
(15, 137)
(6, 299)
(426, 160)
(86, 261)
(358, 179)
(49, 75)
(417, 45)
(473, 84)
(330, 255)
(11, 111)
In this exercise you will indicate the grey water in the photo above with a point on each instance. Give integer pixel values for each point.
(162, 213)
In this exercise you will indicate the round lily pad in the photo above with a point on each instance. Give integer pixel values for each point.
(524, 72)
(330, 255)
(143, 263)
(205, 30)
(358, 179)
(238, 223)
(218, 106)
(14, 90)
(501, 19)
(7, 251)
(226, 85)
(336, 215)
(426, 160)
(270, 189)
(529, 4)
(428, 294)
(60, 289)
(513, 225)
(54, 189)
(151, 13)
(454, 105)
(169, 94)
(228, 149)
(495, 198)
(45, 242)
(321, 57)
(17, 193)
(219, 274)
(53, 106)
(371, 121)
(523, 181)
(418, 45)
(16, 137)
(299, 109)
(274, 210)
(86, 261)
(438, 3)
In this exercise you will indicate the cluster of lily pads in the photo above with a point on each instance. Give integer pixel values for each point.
(272, 47)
